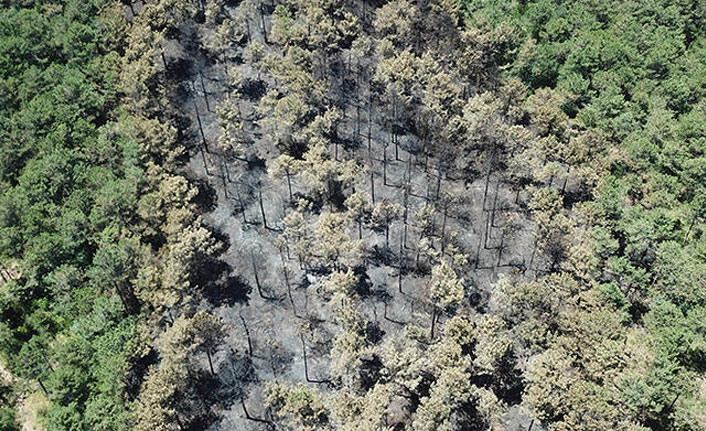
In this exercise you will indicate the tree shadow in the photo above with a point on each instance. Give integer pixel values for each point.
(235, 372)
(228, 291)
(206, 199)
(254, 89)
(179, 69)
(303, 284)
(138, 371)
(374, 333)
(350, 144)
(204, 397)
(574, 195)
(256, 163)
(370, 371)
(209, 271)
(364, 286)
(379, 256)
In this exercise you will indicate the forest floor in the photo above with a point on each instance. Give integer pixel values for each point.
(272, 321)
(28, 406)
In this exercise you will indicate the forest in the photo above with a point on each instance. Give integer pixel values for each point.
(354, 215)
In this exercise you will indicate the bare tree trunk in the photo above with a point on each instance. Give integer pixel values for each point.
(247, 28)
(240, 201)
(691, 226)
(257, 278)
(357, 121)
(433, 322)
(247, 336)
(487, 178)
(245, 409)
(306, 364)
(223, 180)
(495, 204)
(443, 227)
(566, 180)
(671, 405)
(205, 95)
(438, 184)
(480, 244)
(262, 21)
(289, 286)
(370, 123)
(225, 168)
(210, 361)
(372, 187)
(164, 60)
(534, 251)
(401, 263)
(198, 119)
(388, 318)
(289, 186)
(248, 416)
(41, 385)
(203, 157)
(501, 248)
(262, 208)
(384, 164)
(486, 233)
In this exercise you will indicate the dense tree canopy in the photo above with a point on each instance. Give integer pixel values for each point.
(454, 214)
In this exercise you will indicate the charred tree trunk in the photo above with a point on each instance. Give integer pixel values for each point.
(357, 122)
(388, 318)
(257, 278)
(433, 322)
(372, 187)
(223, 180)
(247, 336)
(203, 157)
(387, 234)
(289, 286)
(210, 361)
(41, 385)
(384, 165)
(198, 120)
(501, 248)
(262, 208)
(487, 178)
(205, 94)
(401, 262)
(248, 416)
(306, 363)
(240, 202)
(443, 227)
(370, 124)
(495, 204)
(264, 26)
(289, 186)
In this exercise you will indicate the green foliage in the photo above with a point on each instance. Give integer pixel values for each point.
(633, 71)
(69, 181)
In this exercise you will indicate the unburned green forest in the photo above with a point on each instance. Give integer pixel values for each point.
(355, 215)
